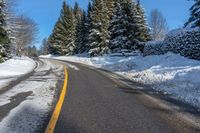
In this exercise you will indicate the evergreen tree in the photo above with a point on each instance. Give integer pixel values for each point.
(4, 40)
(62, 39)
(133, 25)
(98, 38)
(79, 41)
(194, 20)
(77, 13)
(144, 34)
(110, 6)
(125, 27)
(82, 35)
(118, 30)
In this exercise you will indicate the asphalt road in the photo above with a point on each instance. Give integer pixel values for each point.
(97, 103)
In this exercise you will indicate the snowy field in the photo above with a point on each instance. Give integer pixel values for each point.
(39, 90)
(170, 73)
(14, 68)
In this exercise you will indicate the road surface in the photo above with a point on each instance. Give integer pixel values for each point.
(96, 102)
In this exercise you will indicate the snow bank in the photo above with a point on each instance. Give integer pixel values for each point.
(14, 68)
(170, 73)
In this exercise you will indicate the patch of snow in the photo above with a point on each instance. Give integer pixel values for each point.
(14, 68)
(29, 115)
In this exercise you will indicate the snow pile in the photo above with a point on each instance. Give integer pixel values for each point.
(170, 73)
(14, 68)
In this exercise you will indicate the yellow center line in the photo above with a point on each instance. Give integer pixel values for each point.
(54, 118)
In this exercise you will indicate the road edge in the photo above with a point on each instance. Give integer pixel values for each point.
(54, 118)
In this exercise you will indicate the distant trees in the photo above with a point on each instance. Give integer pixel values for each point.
(107, 26)
(158, 25)
(32, 51)
(194, 20)
(44, 49)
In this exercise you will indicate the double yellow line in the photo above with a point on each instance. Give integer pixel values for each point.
(54, 118)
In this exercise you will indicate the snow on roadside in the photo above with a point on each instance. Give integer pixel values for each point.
(170, 73)
(14, 68)
(30, 114)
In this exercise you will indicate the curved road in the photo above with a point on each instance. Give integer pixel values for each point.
(96, 102)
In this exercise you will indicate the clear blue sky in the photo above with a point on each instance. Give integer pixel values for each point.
(46, 12)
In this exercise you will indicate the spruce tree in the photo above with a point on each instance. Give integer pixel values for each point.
(80, 27)
(110, 6)
(133, 26)
(98, 38)
(118, 30)
(62, 39)
(144, 34)
(194, 20)
(77, 13)
(81, 36)
(4, 40)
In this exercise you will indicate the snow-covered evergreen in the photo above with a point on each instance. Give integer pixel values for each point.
(62, 39)
(144, 34)
(82, 35)
(98, 38)
(153, 48)
(4, 40)
(194, 20)
(118, 30)
(114, 25)
(183, 41)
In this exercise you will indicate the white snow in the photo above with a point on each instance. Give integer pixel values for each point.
(14, 68)
(170, 73)
(29, 115)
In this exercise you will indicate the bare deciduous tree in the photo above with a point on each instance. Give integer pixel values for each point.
(158, 25)
(26, 33)
(22, 29)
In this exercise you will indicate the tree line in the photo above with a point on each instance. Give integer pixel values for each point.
(107, 26)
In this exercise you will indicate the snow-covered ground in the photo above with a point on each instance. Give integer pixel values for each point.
(170, 73)
(14, 68)
(40, 88)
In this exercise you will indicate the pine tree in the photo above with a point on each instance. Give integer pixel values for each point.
(118, 30)
(110, 6)
(4, 40)
(62, 39)
(133, 26)
(194, 20)
(80, 28)
(98, 38)
(77, 13)
(144, 34)
(82, 35)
